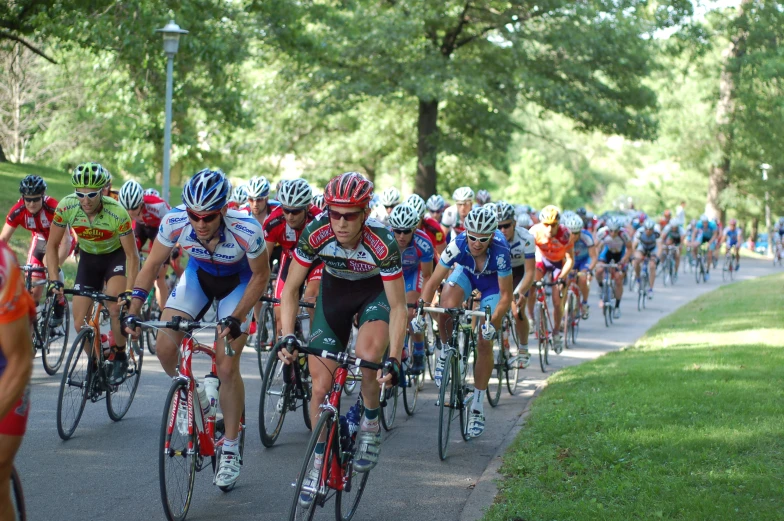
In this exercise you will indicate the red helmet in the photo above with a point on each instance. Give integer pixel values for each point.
(349, 189)
(667, 213)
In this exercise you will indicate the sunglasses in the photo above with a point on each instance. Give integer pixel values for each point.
(350, 216)
(293, 211)
(480, 239)
(255, 199)
(504, 226)
(33, 199)
(402, 231)
(390, 206)
(207, 218)
(90, 195)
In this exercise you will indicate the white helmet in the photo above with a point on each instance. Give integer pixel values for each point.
(239, 195)
(483, 197)
(482, 220)
(318, 200)
(295, 193)
(524, 221)
(417, 203)
(131, 195)
(613, 224)
(404, 217)
(463, 193)
(257, 187)
(152, 191)
(390, 196)
(505, 211)
(566, 214)
(649, 224)
(435, 203)
(704, 218)
(574, 223)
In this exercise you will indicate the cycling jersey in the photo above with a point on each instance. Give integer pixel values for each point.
(153, 210)
(277, 231)
(731, 236)
(673, 232)
(521, 247)
(245, 208)
(645, 241)
(433, 230)
(102, 234)
(614, 244)
(498, 262)
(582, 245)
(552, 248)
(707, 231)
(38, 224)
(376, 254)
(15, 301)
(418, 251)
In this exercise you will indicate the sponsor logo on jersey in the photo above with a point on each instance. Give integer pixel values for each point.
(177, 220)
(124, 227)
(58, 218)
(329, 341)
(376, 244)
(243, 229)
(93, 234)
(320, 236)
(360, 267)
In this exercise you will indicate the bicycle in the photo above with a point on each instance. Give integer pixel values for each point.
(87, 370)
(151, 311)
(454, 393)
(573, 312)
(644, 284)
(336, 477)
(190, 430)
(50, 341)
(700, 263)
(608, 291)
(729, 264)
(506, 366)
(777, 253)
(667, 268)
(17, 496)
(266, 326)
(282, 391)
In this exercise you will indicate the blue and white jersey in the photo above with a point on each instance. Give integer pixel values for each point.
(582, 245)
(240, 238)
(647, 241)
(673, 231)
(419, 250)
(498, 262)
(707, 232)
(731, 236)
(522, 247)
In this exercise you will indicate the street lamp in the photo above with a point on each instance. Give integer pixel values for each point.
(171, 42)
(765, 167)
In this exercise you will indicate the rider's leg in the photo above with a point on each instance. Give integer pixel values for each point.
(636, 262)
(80, 306)
(652, 269)
(161, 287)
(115, 286)
(168, 341)
(558, 304)
(9, 445)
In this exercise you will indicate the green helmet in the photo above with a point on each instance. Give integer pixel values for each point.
(89, 175)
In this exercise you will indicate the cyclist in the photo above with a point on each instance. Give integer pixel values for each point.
(318, 202)
(152, 191)
(454, 216)
(108, 252)
(645, 245)
(776, 239)
(524, 221)
(258, 189)
(480, 260)
(616, 246)
(362, 276)
(435, 208)
(228, 263)
(417, 254)
(733, 238)
(146, 212)
(585, 258)
(239, 200)
(665, 220)
(522, 251)
(388, 199)
(555, 255)
(107, 189)
(283, 227)
(705, 231)
(34, 212)
(17, 309)
(483, 197)
(672, 235)
(428, 225)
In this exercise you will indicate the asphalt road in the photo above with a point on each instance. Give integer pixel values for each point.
(110, 470)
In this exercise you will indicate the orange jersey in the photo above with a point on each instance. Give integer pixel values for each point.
(15, 301)
(551, 248)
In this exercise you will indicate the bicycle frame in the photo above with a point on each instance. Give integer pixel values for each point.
(541, 303)
(205, 427)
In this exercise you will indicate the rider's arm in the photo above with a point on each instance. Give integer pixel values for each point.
(594, 254)
(149, 272)
(56, 234)
(128, 243)
(395, 290)
(438, 276)
(528, 278)
(260, 268)
(7, 232)
(427, 270)
(15, 339)
(289, 298)
(65, 247)
(628, 253)
(505, 290)
(568, 263)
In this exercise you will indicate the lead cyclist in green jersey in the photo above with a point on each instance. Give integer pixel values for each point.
(109, 254)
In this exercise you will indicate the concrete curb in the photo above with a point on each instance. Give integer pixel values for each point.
(486, 488)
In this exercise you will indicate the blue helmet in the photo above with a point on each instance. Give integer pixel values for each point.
(207, 191)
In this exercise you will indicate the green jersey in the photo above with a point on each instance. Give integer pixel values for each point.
(102, 234)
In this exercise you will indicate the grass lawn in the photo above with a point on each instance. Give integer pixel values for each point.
(687, 424)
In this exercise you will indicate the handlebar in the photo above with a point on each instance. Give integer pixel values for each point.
(543, 284)
(185, 326)
(90, 293)
(277, 301)
(29, 268)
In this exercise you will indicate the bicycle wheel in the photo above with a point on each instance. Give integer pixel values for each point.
(494, 388)
(76, 383)
(411, 392)
(149, 334)
(446, 404)
(389, 407)
(512, 376)
(17, 496)
(541, 335)
(177, 455)
(577, 315)
(307, 498)
(465, 400)
(347, 500)
(120, 397)
(55, 340)
(274, 401)
(698, 271)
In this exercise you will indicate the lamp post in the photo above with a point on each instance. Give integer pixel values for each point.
(171, 42)
(765, 167)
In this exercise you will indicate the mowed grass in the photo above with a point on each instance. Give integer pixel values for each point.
(687, 424)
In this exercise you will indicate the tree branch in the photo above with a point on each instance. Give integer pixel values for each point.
(5, 35)
(448, 47)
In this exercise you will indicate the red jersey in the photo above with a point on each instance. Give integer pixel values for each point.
(38, 224)
(553, 248)
(433, 230)
(277, 231)
(153, 210)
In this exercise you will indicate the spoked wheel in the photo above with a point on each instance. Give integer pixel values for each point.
(465, 399)
(494, 386)
(120, 397)
(726, 272)
(512, 377)
(177, 454)
(698, 272)
(347, 500)
(274, 401)
(541, 333)
(389, 407)
(148, 313)
(311, 489)
(411, 392)
(432, 346)
(55, 339)
(446, 405)
(76, 383)
(265, 335)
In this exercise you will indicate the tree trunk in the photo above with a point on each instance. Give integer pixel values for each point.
(3, 159)
(755, 229)
(427, 148)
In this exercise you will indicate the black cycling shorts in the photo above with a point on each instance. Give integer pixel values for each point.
(95, 270)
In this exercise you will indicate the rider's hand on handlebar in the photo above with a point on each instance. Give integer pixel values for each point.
(54, 286)
(131, 326)
(230, 326)
(287, 348)
(418, 324)
(488, 331)
(392, 370)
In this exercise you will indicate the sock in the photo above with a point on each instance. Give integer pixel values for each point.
(419, 348)
(371, 414)
(479, 400)
(618, 303)
(522, 348)
(320, 447)
(232, 446)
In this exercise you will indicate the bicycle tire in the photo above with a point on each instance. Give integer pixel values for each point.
(326, 423)
(389, 407)
(566, 321)
(149, 333)
(77, 374)
(120, 397)
(541, 335)
(512, 378)
(698, 273)
(446, 405)
(494, 392)
(52, 349)
(177, 501)
(273, 390)
(351, 383)
(358, 480)
(17, 496)
(411, 393)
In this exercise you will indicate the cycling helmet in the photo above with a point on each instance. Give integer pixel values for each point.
(566, 215)
(435, 203)
(463, 194)
(239, 195)
(781, 220)
(257, 187)
(483, 220)
(152, 191)
(733, 222)
(704, 218)
(90, 175)
(582, 212)
(649, 224)
(504, 211)
(417, 203)
(667, 213)
(483, 197)
(524, 221)
(349, 189)
(318, 200)
(207, 191)
(525, 208)
(131, 195)
(390, 196)
(574, 223)
(642, 217)
(613, 224)
(295, 193)
(32, 185)
(550, 214)
(404, 216)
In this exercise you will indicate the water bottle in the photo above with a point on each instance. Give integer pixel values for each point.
(204, 401)
(105, 343)
(345, 436)
(211, 385)
(352, 417)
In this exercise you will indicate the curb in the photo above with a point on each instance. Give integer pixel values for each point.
(486, 488)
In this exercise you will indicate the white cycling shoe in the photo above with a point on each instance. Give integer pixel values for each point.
(228, 469)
